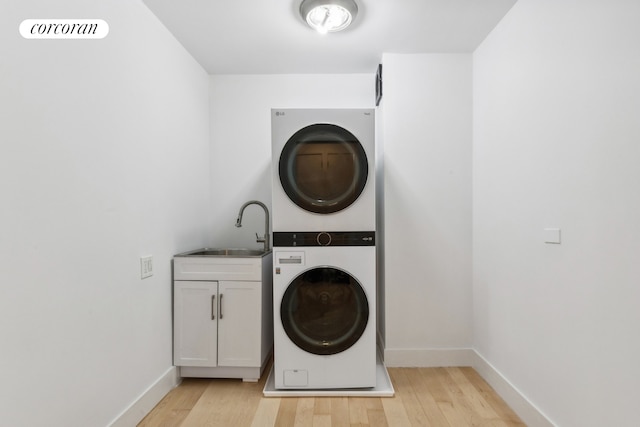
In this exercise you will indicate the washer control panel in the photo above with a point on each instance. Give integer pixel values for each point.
(324, 238)
(287, 259)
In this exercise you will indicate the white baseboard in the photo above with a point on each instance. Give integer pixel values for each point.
(433, 358)
(428, 358)
(526, 410)
(148, 399)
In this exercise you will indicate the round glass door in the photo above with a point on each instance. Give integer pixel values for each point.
(323, 168)
(324, 311)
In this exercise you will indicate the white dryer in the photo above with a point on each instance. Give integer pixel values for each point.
(323, 171)
(324, 310)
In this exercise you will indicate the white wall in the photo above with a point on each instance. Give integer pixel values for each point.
(241, 139)
(104, 158)
(556, 102)
(427, 127)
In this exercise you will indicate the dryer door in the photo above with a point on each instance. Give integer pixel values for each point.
(323, 168)
(324, 310)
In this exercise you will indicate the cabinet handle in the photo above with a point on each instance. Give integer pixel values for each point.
(221, 306)
(213, 307)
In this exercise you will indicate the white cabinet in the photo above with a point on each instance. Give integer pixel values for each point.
(222, 328)
(239, 323)
(195, 326)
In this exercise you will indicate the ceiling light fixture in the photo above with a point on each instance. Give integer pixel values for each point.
(328, 16)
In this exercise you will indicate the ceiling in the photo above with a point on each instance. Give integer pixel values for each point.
(270, 37)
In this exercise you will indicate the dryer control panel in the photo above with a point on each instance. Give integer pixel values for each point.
(324, 238)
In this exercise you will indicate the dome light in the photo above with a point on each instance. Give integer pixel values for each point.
(328, 16)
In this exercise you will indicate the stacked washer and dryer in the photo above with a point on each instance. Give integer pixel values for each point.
(324, 281)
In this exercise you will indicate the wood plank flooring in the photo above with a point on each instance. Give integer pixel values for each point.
(438, 397)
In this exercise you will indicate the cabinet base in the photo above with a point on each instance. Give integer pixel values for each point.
(248, 374)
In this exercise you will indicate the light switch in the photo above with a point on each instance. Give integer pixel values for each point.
(146, 266)
(552, 235)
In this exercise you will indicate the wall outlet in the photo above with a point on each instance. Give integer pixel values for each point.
(146, 266)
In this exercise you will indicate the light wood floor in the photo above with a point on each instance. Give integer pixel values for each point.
(442, 397)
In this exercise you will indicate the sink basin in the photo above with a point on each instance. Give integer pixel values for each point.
(225, 252)
(215, 264)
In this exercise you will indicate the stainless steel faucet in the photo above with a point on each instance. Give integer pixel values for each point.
(265, 238)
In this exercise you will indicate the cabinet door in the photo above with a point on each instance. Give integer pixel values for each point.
(239, 325)
(195, 317)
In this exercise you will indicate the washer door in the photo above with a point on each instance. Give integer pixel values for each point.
(324, 310)
(323, 168)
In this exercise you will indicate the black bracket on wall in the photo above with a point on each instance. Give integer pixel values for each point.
(379, 85)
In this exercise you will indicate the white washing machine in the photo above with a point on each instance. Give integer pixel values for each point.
(323, 171)
(324, 294)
